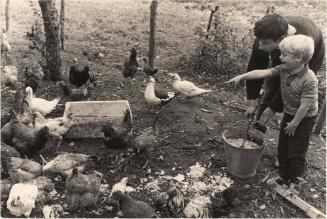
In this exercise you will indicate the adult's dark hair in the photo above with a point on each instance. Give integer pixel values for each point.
(271, 26)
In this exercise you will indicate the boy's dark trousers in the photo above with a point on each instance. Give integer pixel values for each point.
(292, 149)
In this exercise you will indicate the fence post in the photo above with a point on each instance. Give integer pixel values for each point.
(321, 119)
(7, 15)
(153, 14)
(210, 19)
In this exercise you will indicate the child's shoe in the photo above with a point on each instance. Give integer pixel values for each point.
(280, 181)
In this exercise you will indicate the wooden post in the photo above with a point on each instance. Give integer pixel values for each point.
(7, 15)
(321, 119)
(153, 15)
(52, 44)
(210, 19)
(62, 24)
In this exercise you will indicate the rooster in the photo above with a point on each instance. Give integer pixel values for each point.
(28, 140)
(82, 190)
(130, 65)
(133, 208)
(79, 77)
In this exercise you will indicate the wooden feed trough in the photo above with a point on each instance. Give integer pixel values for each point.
(89, 117)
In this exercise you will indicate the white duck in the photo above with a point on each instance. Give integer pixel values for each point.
(187, 88)
(154, 97)
(65, 163)
(122, 186)
(38, 104)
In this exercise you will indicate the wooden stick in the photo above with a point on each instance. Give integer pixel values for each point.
(321, 119)
(294, 199)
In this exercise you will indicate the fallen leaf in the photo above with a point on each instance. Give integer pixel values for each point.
(262, 207)
(315, 196)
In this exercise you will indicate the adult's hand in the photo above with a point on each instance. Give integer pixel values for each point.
(251, 107)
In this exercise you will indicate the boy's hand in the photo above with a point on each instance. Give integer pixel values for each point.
(236, 80)
(290, 128)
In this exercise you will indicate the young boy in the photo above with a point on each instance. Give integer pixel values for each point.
(299, 89)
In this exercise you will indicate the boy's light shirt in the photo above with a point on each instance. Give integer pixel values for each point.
(297, 86)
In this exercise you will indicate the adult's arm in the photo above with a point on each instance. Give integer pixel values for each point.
(259, 59)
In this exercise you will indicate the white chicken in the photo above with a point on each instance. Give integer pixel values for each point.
(122, 186)
(155, 98)
(21, 199)
(65, 163)
(57, 126)
(187, 88)
(38, 104)
(9, 76)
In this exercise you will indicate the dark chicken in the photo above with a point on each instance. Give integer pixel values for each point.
(79, 77)
(76, 94)
(132, 208)
(130, 65)
(117, 137)
(28, 140)
(149, 71)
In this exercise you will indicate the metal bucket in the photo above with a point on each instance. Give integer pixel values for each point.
(241, 162)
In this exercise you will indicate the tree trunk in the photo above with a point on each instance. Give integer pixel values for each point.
(321, 119)
(62, 24)
(7, 15)
(52, 44)
(153, 15)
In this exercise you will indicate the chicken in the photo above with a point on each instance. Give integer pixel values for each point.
(53, 211)
(222, 203)
(8, 151)
(76, 94)
(33, 70)
(144, 143)
(32, 82)
(132, 208)
(121, 186)
(77, 76)
(5, 46)
(25, 116)
(65, 163)
(9, 76)
(20, 169)
(116, 136)
(57, 126)
(28, 140)
(175, 202)
(187, 88)
(82, 190)
(38, 104)
(130, 65)
(149, 71)
(21, 199)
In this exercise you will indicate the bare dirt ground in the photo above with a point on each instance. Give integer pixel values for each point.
(187, 134)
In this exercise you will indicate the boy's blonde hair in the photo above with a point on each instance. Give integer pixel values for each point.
(299, 45)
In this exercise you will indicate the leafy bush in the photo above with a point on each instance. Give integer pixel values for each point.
(226, 48)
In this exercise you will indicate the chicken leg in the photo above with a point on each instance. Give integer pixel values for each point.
(59, 143)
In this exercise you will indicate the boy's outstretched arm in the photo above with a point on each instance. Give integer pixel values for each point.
(300, 114)
(256, 74)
